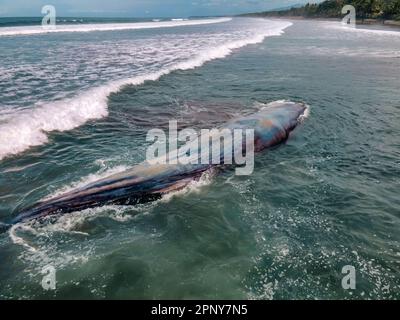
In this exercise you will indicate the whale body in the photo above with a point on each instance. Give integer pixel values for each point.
(148, 182)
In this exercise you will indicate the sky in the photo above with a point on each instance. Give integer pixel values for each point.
(139, 8)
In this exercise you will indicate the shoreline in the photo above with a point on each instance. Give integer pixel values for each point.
(365, 22)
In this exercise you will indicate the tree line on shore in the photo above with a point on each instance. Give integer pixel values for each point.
(365, 9)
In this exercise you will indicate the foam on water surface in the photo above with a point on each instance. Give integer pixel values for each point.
(30, 127)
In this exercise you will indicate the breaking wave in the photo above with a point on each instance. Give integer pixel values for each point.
(32, 30)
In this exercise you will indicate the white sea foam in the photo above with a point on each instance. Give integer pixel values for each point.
(32, 30)
(195, 186)
(306, 114)
(70, 223)
(19, 240)
(30, 127)
(42, 253)
(340, 27)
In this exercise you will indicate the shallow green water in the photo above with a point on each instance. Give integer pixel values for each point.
(326, 199)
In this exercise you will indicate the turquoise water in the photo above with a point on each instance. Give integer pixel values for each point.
(326, 199)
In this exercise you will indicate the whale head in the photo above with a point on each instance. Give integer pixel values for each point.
(273, 123)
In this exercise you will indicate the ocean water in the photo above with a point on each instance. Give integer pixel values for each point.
(76, 106)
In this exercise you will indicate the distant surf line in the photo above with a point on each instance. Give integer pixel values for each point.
(33, 30)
